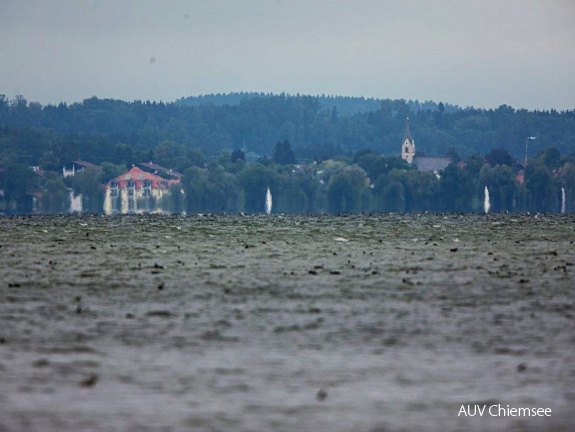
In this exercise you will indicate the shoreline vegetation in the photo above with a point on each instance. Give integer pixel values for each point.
(317, 154)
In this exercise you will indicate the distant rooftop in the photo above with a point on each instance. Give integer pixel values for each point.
(155, 168)
(431, 164)
(81, 163)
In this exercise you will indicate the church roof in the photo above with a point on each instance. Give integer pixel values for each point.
(433, 164)
(408, 131)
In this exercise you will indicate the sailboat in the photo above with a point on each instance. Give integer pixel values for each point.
(268, 201)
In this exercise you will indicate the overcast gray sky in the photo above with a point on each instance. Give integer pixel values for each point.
(482, 53)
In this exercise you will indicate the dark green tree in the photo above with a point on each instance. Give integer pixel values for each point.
(283, 153)
(237, 154)
(453, 154)
(254, 180)
(503, 187)
(499, 157)
(49, 162)
(473, 165)
(455, 190)
(194, 157)
(170, 154)
(123, 155)
(347, 190)
(542, 189)
(18, 182)
(551, 158)
(87, 183)
(55, 197)
(394, 197)
(110, 171)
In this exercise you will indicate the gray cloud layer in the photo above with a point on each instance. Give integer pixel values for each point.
(482, 53)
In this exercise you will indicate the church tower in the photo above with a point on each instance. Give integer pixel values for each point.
(408, 146)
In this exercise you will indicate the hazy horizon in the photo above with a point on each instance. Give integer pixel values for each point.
(517, 53)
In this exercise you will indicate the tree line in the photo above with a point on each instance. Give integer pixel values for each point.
(346, 105)
(363, 182)
(98, 130)
(313, 157)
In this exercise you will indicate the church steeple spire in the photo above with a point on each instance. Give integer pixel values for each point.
(408, 146)
(408, 131)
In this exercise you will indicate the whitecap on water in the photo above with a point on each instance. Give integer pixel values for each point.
(340, 239)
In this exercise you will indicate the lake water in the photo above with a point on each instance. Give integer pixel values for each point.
(287, 323)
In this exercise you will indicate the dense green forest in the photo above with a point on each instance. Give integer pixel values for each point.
(97, 128)
(346, 105)
(314, 156)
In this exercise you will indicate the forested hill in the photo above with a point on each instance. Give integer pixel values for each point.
(106, 129)
(346, 105)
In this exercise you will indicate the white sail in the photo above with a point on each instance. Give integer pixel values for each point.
(75, 203)
(268, 201)
(563, 204)
(486, 202)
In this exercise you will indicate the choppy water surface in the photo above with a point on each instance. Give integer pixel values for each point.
(262, 323)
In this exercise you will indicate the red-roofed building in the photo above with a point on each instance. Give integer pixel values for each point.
(159, 170)
(136, 191)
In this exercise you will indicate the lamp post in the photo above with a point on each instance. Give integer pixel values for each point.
(527, 138)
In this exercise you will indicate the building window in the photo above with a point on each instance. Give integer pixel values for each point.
(113, 188)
